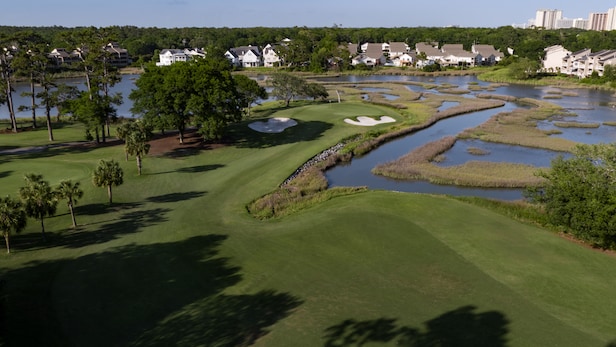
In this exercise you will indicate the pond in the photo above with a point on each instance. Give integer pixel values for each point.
(124, 86)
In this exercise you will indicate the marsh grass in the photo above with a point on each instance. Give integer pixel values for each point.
(609, 123)
(471, 174)
(477, 151)
(307, 189)
(519, 127)
(418, 165)
(576, 125)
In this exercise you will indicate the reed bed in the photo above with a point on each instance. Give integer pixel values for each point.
(576, 125)
(612, 124)
(519, 128)
(477, 151)
(307, 189)
(570, 93)
(419, 165)
(508, 98)
(470, 174)
(553, 97)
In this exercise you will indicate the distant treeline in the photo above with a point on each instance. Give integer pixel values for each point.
(143, 43)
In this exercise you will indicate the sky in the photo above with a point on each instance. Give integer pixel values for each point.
(286, 13)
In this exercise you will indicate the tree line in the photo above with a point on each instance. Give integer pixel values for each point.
(144, 43)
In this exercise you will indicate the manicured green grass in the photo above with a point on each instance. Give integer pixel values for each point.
(177, 259)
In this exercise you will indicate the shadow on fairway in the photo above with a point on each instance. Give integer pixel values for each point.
(127, 223)
(175, 197)
(244, 137)
(192, 169)
(53, 150)
(169, 294)
(460, 327)
(104, 208)
(4, 174)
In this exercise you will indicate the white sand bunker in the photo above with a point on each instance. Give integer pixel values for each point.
(369, 121)
(272, 125)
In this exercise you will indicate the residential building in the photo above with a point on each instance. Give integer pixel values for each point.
(553, 58)
(397, 49)
(430, 50)
(270, 56)
(547, 18)
(597, 21)
(584, 63)
(60, 56)
(455, 55)
(489, 55)
(119, 56)
(245, 56)
(611, 19)
(169, 56)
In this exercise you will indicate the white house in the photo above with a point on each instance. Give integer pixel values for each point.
(169, 56)
(553, 58)
(489, 55)
(405, 59)
(270, 56)
(455, 55)
(431, 51)
(372, 57)
(245, 56)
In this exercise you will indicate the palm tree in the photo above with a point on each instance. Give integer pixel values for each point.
(137, 142)
(71, 192)
(122, 131)
(12, 218)
(107, 174)
(38, 198)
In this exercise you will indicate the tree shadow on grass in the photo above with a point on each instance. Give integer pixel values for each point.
(127, 223)
(104, 208)
(4, 174)
(192, 169)
(175, 197)
(244, 137)
(157, 294)
(458, 328)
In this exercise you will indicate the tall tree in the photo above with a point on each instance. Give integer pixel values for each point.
(71, 193)
(30, 62)
(6, 78)
(100, 75)
(215, 101)
(201, 91)
(38, 198)
(108, 173)
(162, 95)
(12, 219)
(287, 86)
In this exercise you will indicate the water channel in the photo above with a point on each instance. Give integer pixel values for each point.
(583, 105)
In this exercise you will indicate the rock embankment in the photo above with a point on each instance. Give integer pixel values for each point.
(313, 161)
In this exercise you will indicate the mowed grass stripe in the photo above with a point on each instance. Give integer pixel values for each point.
(364, 258)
